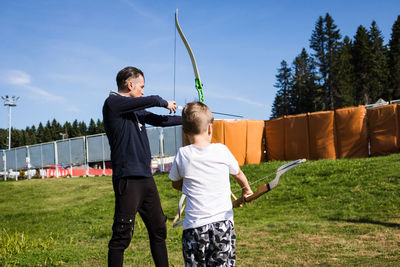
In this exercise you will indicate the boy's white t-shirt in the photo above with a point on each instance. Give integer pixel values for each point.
(205, 173)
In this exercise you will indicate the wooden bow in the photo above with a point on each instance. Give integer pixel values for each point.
(265, 188)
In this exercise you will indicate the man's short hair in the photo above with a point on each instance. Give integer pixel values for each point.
(195, 118)
(126, 73)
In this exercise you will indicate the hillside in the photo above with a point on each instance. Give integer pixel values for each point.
(328, 212)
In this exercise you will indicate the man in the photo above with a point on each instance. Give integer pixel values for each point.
(124, 117)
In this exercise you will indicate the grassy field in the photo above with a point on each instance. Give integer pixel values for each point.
(326, 212)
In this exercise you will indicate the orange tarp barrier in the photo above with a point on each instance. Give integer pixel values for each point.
(342, 133)
(254, 146)
(275, 138)
(398, 127)
(296, 137)
(383, 130)
(218, 132)
(351, 132)
(235, 138)
(322, 138)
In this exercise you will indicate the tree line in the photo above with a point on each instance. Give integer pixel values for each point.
(51, 131)
(339, 72)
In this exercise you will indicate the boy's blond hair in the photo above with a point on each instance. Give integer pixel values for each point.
(196, 117)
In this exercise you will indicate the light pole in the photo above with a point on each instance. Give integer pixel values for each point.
(63, 135)
(10, 102)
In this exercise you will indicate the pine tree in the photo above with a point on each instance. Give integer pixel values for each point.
(40, 133)
(21, 137)
(17, 138)
(333, 42)
(362, 62)
(281, 105)
(28, 136)
(48, 135)
(75, 132)
(82, 128)
(3, 138)
(318, 44)
(67, 129)
(379, 70)
(343, 75)
(56, 129)
(305, 95)
(325, 40)
(99, 126)
(92, 127)
(394, 59)
(33, 133)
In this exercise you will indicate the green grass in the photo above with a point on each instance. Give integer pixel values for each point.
(326, 212)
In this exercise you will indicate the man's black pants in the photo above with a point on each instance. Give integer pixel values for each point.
(132, 195)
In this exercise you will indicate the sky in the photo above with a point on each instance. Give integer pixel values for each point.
(61, 57)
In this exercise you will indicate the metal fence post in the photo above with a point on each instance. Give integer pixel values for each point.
(16, 164)
(102, 150)
(162, 149)
(5, 166)
(41, 171)
(56, 157)
(28, 163)
(87, 156)
(70, 157)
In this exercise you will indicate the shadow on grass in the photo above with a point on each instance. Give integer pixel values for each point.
(369, 221)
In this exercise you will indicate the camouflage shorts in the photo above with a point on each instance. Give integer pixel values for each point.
(210, 245)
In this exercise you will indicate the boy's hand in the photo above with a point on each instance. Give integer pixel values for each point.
(246, 192)
(244, 184)
(177, 185)
(171, 106)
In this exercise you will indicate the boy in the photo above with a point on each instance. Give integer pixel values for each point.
(201, 171)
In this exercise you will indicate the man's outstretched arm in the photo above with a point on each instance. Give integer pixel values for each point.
(161, 120)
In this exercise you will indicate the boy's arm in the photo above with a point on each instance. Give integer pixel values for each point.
(177, 185)
(174, 175)
(244, 184)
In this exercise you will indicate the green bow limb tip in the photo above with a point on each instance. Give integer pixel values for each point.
(199, 88)
(198, 84)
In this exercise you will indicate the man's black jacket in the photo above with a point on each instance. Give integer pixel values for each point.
(124, 122)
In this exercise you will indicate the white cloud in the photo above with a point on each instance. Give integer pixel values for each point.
(43, 94)
(23, 80)
(236, 98)
(144, 13)
(17, 77)
(70, 78)
(73, 108)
